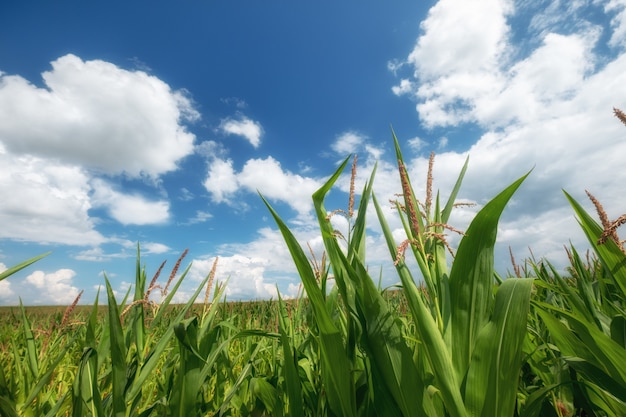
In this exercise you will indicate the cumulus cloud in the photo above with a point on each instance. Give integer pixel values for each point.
(97, 115)
(352, 142)
(129, 209)
(251, 273)
(45, 201)
(221, 180)
(54, 287)
(545, 103)
(263, 175)
(244, 127)
(6, 293)
(348, 142)
(88, 118)
(278, 184)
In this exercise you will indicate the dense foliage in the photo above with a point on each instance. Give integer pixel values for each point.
(455, 340)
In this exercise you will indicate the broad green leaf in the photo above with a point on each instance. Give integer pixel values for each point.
(618, 330)
(187, 383)
(472, 279)
(267, 394)
(494, 370)
(87, 399)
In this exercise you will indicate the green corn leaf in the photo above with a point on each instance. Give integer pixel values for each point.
(357, 239)
(618, 330)
(170, 295)
(16, 268)
(92, 321)
(472, 278)
(187, 383)
(535, 401)
(584, 340)
(428, 333)
(599, 362)
(447, 210)
(241, 381)
(609, 253)
(494, 370)
(7, 407)
(31, 350)
(152, 359)
(118, 354)
(55, 410)
(290, 365)
(267, 394)
(390, 354)
(337, 370)
(45, 378)
(87, 399)
(137, 314)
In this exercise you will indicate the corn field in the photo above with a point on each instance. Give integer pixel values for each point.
(456, 339)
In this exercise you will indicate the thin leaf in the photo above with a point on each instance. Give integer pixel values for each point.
(7, 273)
(118, 354)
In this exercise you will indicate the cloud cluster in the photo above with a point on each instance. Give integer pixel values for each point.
(97, 115)
(264, 175)
(53, 288)
(544, 103)
(88, 118)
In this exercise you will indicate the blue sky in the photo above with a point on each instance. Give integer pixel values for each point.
(157, 123)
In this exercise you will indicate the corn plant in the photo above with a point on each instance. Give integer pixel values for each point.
(464, 356)
(583, 316)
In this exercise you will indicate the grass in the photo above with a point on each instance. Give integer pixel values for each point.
(455, 339)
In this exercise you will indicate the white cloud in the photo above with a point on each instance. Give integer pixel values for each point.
(254, 269)
(245, 127)
(6, 293)
(461, 36)
(53, 288)
(268, 177)
(129, 209)
(352, 142)
(263, 175)
(89, 118)
(97, 115)
(45, 201)
(153, 247)
(348, 142)
(221, 180)
(618, 22)
(200, 217)
(545, 103)
(416, 143)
